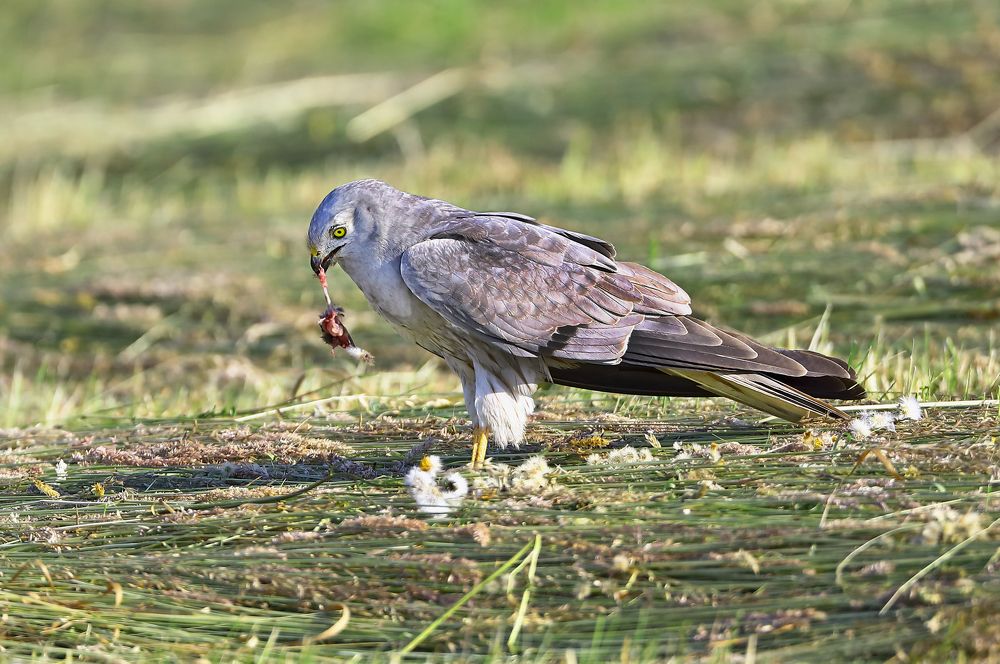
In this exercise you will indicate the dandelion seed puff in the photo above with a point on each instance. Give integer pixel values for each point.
(494, 478)
(459, 489)
(421, 481)
(432, 505)
(431, 502)
(61, 470)
(946, 525)
(909, 408)
(529, 477)
(622, 563)
(430, 464)
(425, 492)
(882, 419)
(534, 465)
(418, 479)
(629, 454)
(621, 456)
(860, 428)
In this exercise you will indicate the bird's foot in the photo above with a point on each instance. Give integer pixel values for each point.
(479, 438)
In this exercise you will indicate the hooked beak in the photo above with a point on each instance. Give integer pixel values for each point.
(323, 263)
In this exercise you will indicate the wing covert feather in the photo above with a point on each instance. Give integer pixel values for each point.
(512, 298)
(538, 291)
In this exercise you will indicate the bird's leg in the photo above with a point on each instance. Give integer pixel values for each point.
(479, 438)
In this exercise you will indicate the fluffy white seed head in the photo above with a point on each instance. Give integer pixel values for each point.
(529, 477)
(459, 489)
(422, 483)
(909, 408)
(882, 420)
(860, 428)
(621, 456)
(418, 478)
(430, 464)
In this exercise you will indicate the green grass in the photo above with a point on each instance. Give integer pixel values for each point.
(820, 174)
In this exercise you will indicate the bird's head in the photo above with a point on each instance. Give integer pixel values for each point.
(364, 220)
(343, 214)
(369, 221)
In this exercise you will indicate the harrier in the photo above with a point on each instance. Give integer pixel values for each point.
(508, 303)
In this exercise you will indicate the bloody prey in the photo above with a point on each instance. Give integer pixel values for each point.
(334, 332)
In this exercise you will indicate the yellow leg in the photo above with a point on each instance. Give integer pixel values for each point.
(479, 438)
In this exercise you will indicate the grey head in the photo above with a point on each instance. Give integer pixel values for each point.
(369, 220)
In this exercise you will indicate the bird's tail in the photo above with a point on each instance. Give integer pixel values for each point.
(762, 392)
(792, 398)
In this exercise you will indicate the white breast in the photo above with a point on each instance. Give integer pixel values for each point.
(383, 286)
(389, 296)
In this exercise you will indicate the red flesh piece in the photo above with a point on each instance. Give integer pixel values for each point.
(334, 331)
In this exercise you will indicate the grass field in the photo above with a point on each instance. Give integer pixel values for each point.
(186, 473)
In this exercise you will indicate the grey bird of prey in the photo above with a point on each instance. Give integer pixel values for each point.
(508, 303)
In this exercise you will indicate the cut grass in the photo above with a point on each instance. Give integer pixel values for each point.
(766, 534)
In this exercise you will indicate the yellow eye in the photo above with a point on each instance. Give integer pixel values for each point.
(339, 231)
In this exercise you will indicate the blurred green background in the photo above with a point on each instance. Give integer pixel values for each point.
(159, 162)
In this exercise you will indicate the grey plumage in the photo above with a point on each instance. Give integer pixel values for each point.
(509, 302)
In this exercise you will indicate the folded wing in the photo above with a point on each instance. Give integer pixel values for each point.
(538, 291)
